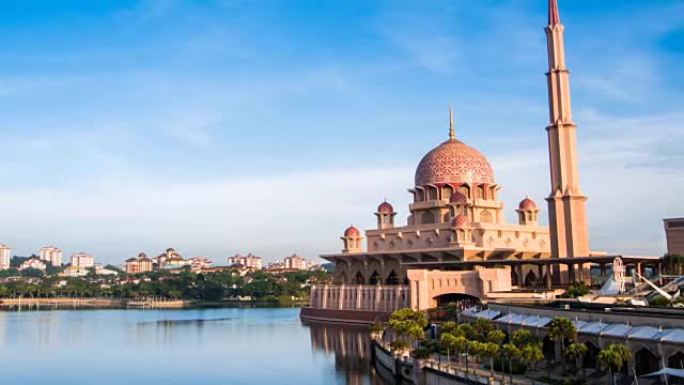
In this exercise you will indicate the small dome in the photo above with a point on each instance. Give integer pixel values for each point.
(458, 198)
(460, 221)
(352, 231)
(385, 208)
(527, 204)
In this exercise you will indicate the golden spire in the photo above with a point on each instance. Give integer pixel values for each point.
(452, 132)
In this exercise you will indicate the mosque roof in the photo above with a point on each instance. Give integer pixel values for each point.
(351, 231)
(385, 208)
(454, 162)
(527, 204)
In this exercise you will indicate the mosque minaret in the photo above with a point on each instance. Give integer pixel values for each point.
(567, 215)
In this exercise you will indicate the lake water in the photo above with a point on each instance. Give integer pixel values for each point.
(189, 347)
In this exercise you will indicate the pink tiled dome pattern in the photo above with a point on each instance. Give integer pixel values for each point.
(458, 198)
(352, 231)
(385, 208)
(460, 221)
(454, 162)
(527, 204)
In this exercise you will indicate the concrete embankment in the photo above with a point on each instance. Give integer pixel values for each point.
(408, 370)
(89, 303)
(342, 316)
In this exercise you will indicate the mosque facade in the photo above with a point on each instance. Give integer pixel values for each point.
(456, 245)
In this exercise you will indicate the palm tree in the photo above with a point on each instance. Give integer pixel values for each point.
(463, 345)
(489, 350)
(449, 342)
(613, 357)
(560, 329)
(509, 351)
(576, 351)
(530, 354)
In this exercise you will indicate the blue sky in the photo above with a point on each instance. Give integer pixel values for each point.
(218, 127)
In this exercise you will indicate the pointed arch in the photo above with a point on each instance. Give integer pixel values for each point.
(375, 278)
(392, 278)
(359, 279)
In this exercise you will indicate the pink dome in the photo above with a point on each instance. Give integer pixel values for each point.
(458, 198)
(352, 231)
(460, 221)
(385, 208)
(527, 204)
(454, 162)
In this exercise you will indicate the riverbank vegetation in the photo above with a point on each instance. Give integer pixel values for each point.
(286, 288)
(481, 346)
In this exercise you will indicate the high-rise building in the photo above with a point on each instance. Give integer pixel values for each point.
(5, 257)
(139, 264)
(82, 260)
(51, 255)
(295, 262)
(674, 232)
(250, 261)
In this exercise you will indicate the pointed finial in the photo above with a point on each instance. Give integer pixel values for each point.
(554, 17)
(452, 132)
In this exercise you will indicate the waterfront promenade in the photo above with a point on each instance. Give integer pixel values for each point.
(94, 303)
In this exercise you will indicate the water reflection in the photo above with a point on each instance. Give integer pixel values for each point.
(352, 350)
(181, 347)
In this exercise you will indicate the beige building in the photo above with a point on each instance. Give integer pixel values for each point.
(82, 260)
(295, 262)
(33, 263)
(249, 261)
(51, 255)
(5, 257)
(674, 233)
(139, 264)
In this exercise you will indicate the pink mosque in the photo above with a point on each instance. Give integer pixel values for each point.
(456, 245)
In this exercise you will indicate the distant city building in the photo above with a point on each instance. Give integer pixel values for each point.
(674, 232)
(33, 263)
(249, 261)
(51, 255)
(99, 270)
(139, 264)
(82, 260)
(170, 259)
(295, 262)
(199, 264)
(74, 271)
(5, 257)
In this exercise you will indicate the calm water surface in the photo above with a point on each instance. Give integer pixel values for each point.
(203, 346)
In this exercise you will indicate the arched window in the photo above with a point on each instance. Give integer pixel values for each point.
(359, 279)
(486, 217)
(392, 278)
(375, 278)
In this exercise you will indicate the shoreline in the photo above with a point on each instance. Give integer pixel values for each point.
(15, 304)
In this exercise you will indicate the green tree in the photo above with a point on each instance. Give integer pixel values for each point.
(561, 329)
(463, 346)
(509, 351)
(576, 351)
(613, 357)
(530, 354)
(488, 350)
(482, 328)
(522, 337)
(408, 324)
(496, 336)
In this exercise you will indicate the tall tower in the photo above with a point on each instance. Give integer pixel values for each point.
(567, 217)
